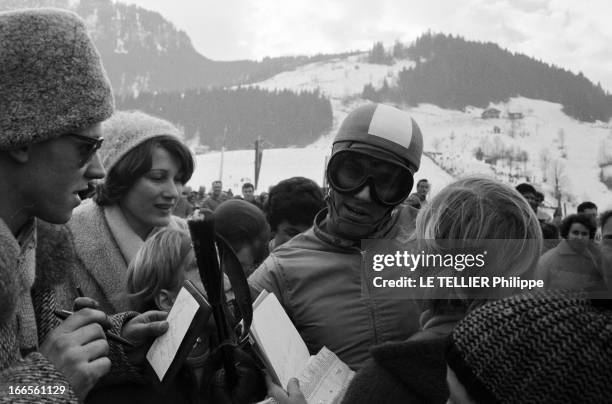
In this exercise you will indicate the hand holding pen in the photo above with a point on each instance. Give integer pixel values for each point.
(78, 349)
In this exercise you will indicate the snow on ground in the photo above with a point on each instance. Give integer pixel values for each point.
(451, 135)
(280, 164)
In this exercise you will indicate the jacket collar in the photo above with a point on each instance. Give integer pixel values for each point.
(390, 230)
(420, 365)
(99, 252)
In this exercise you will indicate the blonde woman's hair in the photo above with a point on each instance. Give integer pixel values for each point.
(157, 265)
(481, 208)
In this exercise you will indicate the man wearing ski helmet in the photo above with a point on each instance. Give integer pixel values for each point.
(317, 276)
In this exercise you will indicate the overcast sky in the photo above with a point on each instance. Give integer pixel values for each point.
(576, 35)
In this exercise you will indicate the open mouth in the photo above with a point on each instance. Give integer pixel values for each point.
(356, 211)
(85, 193)
(164, 206)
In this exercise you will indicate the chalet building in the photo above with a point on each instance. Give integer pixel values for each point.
(490, 113)
(515, 115)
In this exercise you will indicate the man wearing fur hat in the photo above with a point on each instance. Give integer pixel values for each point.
(53, 95)
(317, 275)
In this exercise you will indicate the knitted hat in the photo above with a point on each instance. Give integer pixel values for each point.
(51, 77)
(384, 132)
(126, 130)
(540, 348)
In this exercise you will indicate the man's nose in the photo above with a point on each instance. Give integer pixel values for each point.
(364, 194)
(95, 170)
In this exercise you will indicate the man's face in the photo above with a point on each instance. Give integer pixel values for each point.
(423, 189)
(285, 231)
(591, 212)
(57, 171)
(358, 214)
(248, 193)
(532, 199)
(216, 186)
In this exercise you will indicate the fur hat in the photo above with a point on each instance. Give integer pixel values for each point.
(540, 348)
(384, 132)
(127, 129)
(51, 77)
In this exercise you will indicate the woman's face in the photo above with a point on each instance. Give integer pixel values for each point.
(578, 231)
(151, 200)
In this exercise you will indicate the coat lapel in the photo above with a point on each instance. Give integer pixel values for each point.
(99, 252)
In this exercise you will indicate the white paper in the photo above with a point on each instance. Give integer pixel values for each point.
(325, 379)
(279, 340)
(164, 348)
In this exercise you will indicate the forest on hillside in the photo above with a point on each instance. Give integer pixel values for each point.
(454, 73)
(236, 118)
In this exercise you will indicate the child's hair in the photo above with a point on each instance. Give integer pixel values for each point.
(480, 208)
(157, 265)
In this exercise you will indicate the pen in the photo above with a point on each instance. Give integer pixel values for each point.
(64, 314)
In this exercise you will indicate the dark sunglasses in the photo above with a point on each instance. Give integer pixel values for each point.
(349, 171)
(88, 147)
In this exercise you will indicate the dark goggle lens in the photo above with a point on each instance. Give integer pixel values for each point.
(88, 147)
(390, 183)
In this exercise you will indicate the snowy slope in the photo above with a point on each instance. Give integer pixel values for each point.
(450, 135)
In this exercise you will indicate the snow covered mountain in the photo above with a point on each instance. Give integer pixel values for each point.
(540, 144)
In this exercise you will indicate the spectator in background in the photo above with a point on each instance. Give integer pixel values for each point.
(422, 190)
(557, 217)
(216, 197)
(550, 233)
(414, 201)
(529, 193)
(605, 221)
(588, 208)
(575, 262)
(292, 206)
(245, 228)
(184, 206)
(606, 225)
(248, 194)
(543, 216)
(263, 198)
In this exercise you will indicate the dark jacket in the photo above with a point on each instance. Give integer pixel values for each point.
(402, 372)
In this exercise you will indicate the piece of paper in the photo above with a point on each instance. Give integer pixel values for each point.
(278, 339)
(164, 348)
(325, 379)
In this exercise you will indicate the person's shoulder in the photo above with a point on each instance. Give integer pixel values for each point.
(9, 257)
(87, 211)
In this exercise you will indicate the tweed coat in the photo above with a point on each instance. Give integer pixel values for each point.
(53, 255)
(97, 265)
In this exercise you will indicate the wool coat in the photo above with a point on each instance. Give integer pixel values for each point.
(563, 267)
(98, 267)
(402, 372)
(17, 368)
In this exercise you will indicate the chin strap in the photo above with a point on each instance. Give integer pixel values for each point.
(346, 228)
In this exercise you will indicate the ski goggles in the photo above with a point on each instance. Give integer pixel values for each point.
(390, 182)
